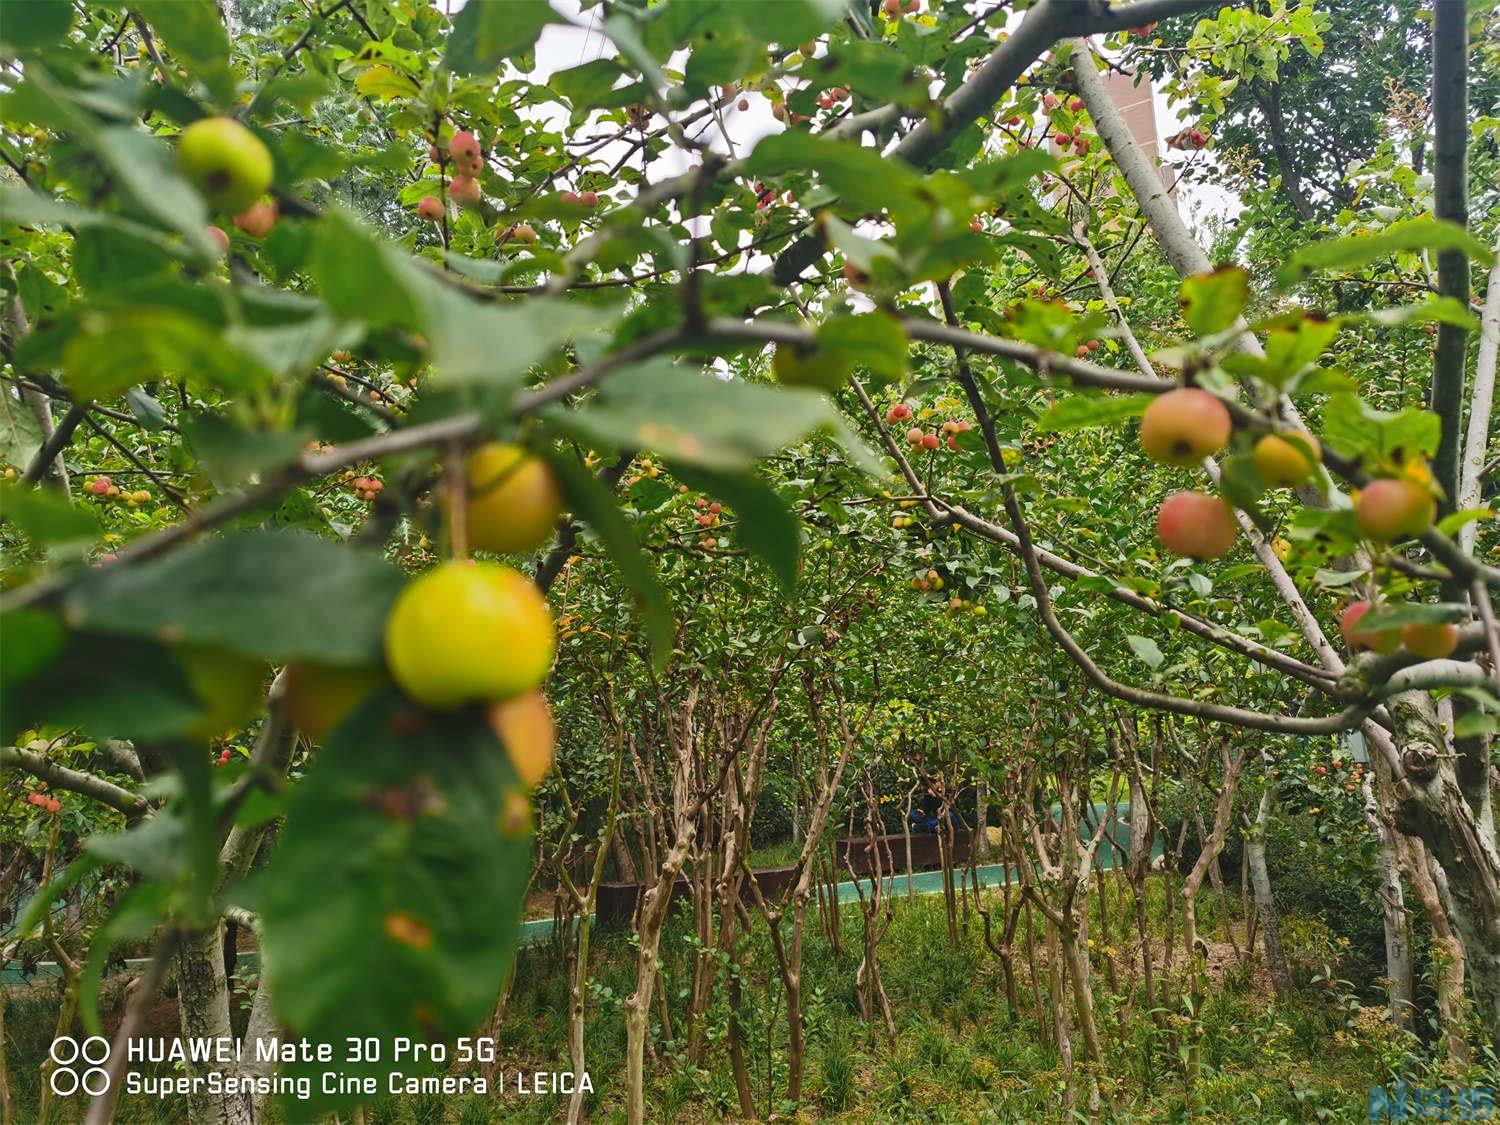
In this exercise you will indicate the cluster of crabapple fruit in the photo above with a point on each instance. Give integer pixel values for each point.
(1185, 426)
(366, 488)
(232, 169)
(102, 488)
(225, 756)
(43, 802)
(918, 438)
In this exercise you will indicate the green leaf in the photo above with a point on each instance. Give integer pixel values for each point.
(1337, 579)
(1353, 428)
(1434, 310)
(1211, 302)
(1291, 349)
(20, 432)
(863, 178)
(141, 167)
(359, 275)
(194, 32)
(1473, 724)
(589, 501)
(764, 523)
(46, 516)
(32, 641)
(35, 23)
(481, 342)
(874, 341)
(153, 848)
(274, 595)
(1387, 616)
(695, 418)
(114, 349)
(1076, 412)
(1450, 524)
(487, 32)
(414, 834)
(1357, 250)
(623, 32)
(231, 454)
(143, 695)
(1145, 650)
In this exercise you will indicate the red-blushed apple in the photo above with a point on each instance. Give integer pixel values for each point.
(431, 208)
(219, 237)
(914, 436)
(464, 190)
(463, 145)
(931, 441)
(1395, 508)
(1382, 641)
(1184, 426)
(1283, 461)
(259, 219)
(1196, 525)
(1430, 642)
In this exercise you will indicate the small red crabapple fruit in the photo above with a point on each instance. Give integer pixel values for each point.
(259, 219)
(715, 508)
(705, 520)
(589, 198)
(914, 436)
(930, 441)
(744, 104)
(430, 208)
(953, 441)
(464, 190)
(1076, 104)
(219, 238)
(1063, 139)
(569, 197)
(1049, 101)
(709, 543)
(464, 145)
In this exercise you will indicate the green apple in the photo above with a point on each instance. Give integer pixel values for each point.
(226, 162)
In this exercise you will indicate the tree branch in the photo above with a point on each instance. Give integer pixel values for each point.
(1450, 111)
(122, 800)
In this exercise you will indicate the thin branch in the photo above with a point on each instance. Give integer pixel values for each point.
(56, 442)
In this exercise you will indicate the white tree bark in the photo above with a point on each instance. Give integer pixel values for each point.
(1476, 445)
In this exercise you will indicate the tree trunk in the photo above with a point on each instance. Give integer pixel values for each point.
(1447, 952)
(1398, 963)
(1265, 903)
(203, 1003)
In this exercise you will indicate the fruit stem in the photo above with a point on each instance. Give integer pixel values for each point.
(457, 500)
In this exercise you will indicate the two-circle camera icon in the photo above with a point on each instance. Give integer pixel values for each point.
(79, 1065)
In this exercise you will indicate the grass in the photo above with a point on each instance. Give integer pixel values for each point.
(960, 1054)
